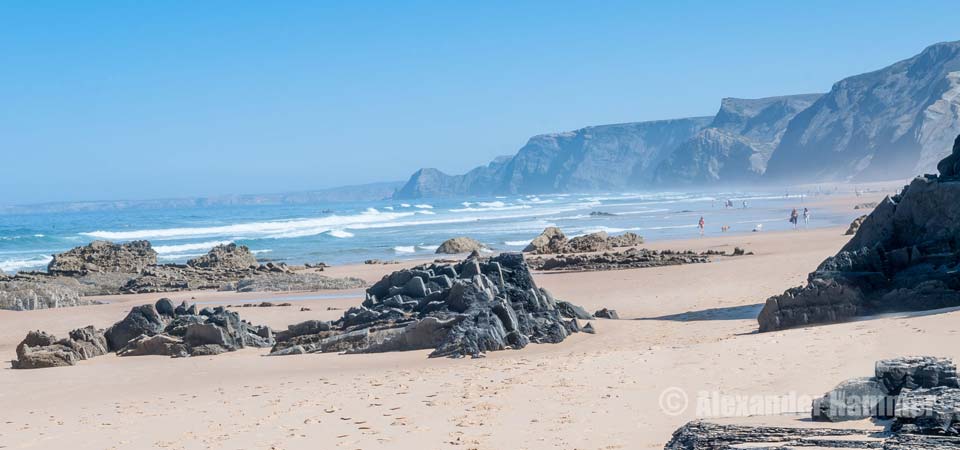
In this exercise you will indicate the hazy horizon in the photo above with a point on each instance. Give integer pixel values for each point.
(121, 102)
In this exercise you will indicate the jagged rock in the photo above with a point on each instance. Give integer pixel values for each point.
(901, 259)
(140, 320)
(854, 399)
(593, 242)
(605, 313)
(41, 350)
(571, 311)
(550, 241)
(466, 309)
(633, 258)
(160, 344)
(702, 435)
(916, 372)
(855, 225)
(928, 411)
(461, 244)
(225, 256)
(949, 167)
(25, 295)
(103, 256)
(627, 239)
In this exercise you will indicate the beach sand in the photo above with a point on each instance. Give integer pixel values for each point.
(689, 329)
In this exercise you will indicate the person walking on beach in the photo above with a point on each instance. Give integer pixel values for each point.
(806, 217)
(793, 218)
(700, 225)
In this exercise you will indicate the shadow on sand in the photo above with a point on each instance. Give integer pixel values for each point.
(731, 313)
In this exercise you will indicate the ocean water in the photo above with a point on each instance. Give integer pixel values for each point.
(339, 233)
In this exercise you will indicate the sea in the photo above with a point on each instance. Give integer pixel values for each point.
(338, 233)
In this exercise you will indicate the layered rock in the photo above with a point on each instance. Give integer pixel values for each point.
(902, 258)
(41, 350)
(226, 256)
(463, 309)
(552, 241)
(159, 329)
(103, 256)
(24, 294)
(919, 393)
(461, 244)
(633, 258)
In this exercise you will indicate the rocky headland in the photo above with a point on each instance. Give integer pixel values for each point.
(903, 257)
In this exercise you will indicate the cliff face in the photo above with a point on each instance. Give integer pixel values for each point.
(594, 158)
(736, 146)
(891, 123)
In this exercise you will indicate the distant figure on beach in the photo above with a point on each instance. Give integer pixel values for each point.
(700, 225)
(758, 228)
(793, 218)
(806, 217)
(725, 228)
(744, 204)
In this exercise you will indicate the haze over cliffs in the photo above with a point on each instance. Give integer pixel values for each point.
(891, 123)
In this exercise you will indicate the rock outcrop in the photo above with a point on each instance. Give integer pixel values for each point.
(24, 294)
(463, 309)
(902, 258)
(103, 256)
(226, 256)
(159, 329)
(633, 258)
(461, 244)
(552, 241)
(41, 350)
(920, 394)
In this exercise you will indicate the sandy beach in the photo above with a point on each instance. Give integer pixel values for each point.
(689, 329)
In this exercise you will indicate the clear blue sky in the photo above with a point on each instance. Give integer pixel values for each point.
(115, 100)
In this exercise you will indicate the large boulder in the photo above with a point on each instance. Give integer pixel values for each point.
(854, 399)
(40, 350)
(902, 258)
(461, 244)
(104, 256)
(550, 241)
(140, 320)
(916, 372)
(225, 256)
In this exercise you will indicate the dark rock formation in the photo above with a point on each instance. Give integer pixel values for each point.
(903, 258)
(855, 225)
(550, 241)
(605, 313)
(103, 256)
(160, 329)
(226, 256)
(463, 309)
(461, 244)
(41, 350)
(633, 258)
(593, 242)
(702, 435)
(920, 393)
